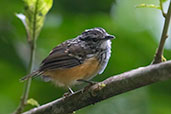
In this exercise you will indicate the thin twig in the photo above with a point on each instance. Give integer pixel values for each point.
(110, 87)
(28, 82)
(32, 44)
(159, 52)
(161, 7)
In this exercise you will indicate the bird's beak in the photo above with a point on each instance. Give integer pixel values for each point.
(108, 37)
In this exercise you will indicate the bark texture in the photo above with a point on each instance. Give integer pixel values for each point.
(110, 87)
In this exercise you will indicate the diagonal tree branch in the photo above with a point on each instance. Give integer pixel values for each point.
(110, 87)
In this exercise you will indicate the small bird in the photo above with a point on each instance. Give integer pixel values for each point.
(78, 59)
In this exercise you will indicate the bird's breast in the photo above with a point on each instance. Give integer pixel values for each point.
(104, 55)
(69, 76)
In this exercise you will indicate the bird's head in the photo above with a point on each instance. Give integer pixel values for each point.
(96, 36)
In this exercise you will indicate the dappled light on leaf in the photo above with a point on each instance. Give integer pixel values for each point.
(147, 6)
(33, 17)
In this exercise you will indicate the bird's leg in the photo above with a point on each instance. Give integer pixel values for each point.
(87, 81)
(88, 86)
(70, 93)
(70, 90)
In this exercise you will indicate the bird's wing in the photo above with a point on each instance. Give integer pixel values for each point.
(62, 56)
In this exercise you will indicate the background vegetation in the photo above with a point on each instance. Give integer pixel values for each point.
(137, 32)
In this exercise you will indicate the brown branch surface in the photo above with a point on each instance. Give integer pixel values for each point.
(159, 52)
(110, 87)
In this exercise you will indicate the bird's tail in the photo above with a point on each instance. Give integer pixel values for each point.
(33, 74)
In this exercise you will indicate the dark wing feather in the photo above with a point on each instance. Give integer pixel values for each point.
(60, 58)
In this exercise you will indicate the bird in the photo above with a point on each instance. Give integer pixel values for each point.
(77, 59)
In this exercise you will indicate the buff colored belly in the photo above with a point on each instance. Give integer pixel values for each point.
(67, 77)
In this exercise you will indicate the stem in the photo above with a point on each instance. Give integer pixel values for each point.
(32, 43)
(159, 53)
(161, 6)
(28, 82)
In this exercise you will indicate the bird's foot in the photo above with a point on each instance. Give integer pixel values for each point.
(87, 81)
(70, 92)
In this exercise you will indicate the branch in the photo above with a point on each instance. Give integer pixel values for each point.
(159, 53)
(110, 87)
(33, 22)
(28, 83)
(161, 7)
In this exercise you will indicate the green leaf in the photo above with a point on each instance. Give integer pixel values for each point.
(164, 1)
(147, 6)
(32, 102)
(34, 15)
(163, 59)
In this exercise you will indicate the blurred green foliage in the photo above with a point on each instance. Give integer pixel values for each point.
(137, 32)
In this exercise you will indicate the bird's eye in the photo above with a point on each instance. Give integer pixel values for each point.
(95, 34)
(95, 39)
